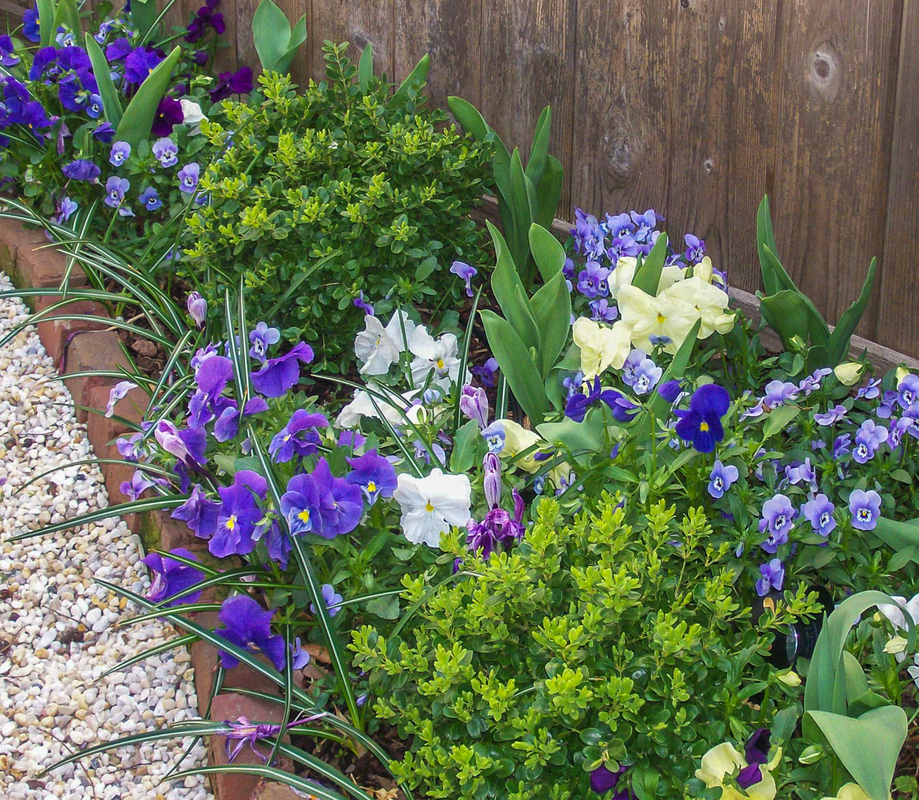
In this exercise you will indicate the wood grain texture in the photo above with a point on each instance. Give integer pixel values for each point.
(898, 295)
(528, 49)
(356, 21)
(721, 136)
(624, 94)
(450, 31)
(835, 91)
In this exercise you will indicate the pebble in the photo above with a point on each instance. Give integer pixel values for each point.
(59, 624)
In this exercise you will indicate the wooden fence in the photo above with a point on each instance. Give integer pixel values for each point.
(695, 108)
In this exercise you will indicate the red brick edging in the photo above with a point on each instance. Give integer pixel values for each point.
(81, 346)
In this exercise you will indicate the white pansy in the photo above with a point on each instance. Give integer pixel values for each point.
(431, 505)
(365, 405)
(192, 114)
(622, 275)
(440, 356)
(378, 348)
(663, 320)
(895, 614)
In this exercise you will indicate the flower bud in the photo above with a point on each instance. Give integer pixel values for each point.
(849, 373)
(197, 308)
(474, 404)
(492, 480)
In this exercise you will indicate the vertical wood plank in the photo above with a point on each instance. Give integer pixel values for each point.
(359, 22)
(835, 90)
(898, 295)
(528, 55)
(721, 136)
(622, 116)
(450, 32)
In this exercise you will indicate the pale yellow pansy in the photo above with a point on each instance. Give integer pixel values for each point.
(665, 317)
(601, 346)
(710, 302)
(622, 275)
(516, 440)
(724, 760)
(849, 373)
(850, 791)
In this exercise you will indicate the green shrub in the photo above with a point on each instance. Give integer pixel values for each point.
(345, 188)
(591, 644)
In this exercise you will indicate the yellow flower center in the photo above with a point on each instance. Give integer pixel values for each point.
(231, 522)
(371, 487)
(703, 426)
(440, 363)
(661, 319)
(304, 516)
(428, 507)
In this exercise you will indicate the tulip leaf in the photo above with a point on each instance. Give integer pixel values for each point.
(552, 312)
(522, 193)
(67, 15)
(658, 405)
(517, 366)
(766, 236)
(789, 313)
(45, 21)
(508, 291)
(540, 147)
(842, 333)
(138, 117)
(144, 16)
(648, 274)
(868, 746)
(111, 105)
(415, 79)
(896, 534)
(365, 68)
(547, 252)
(473, 122)
(549, 191)
(275, 42)
(576, 436)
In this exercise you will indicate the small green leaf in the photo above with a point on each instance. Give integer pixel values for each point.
(779, 419)
(425, 268)
(648, 274)
(464, 447)
(547, 252)
(365, 68)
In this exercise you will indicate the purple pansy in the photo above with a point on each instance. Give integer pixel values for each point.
(119, 154)
(166, 152)
(138, 484)
(772, 577)
(603, 779)
(778, 519)
(248, 625)
(487, 373)
(721, 479)
(592, 282)
(601, 310)
(204, 18)
(819, 512)
(498, 530)
(362, 304)
(908, 390)
(701, 424)
(168, 114)
(8, 57)
(279, 375)
(197, 309)
(230, 83)
(30, 27)
(298, 438)
(81, 170)
(104, 132)
(149, 199)
(869, 437)
(466, 273)
(187, 445)
(373, 474)
(644, 377)
(865, 508)
(119, 391)
(188, 177)
(199, 513)
(261, 339)
(322, 504)
(139, 64)
(115, 189)
(238, 515)
(119, 50)
(170, 577)
(801, 472)
(695, 248)
(330, 599)
(832, 416)
(778, 393)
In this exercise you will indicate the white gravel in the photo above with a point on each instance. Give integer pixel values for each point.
(57, 633)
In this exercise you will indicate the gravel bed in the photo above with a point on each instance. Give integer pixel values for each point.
(58, 629)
